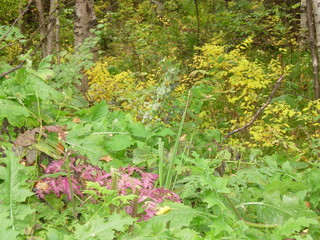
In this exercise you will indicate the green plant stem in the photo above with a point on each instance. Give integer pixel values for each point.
(161, 161)
(266, 205)
(39, 116)
(251, 224)
(114, 186)
(260, 225)
(180, 163)
(176, 145)
(70, 187)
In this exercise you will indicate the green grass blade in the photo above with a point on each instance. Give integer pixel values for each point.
(176, 145)
(161, 161)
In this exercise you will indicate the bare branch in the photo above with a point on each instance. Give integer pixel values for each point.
(257, 114)
(14, 23)
(23, 62)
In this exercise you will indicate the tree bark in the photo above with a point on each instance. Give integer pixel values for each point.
(85, 19)
(303, 21)
(313, 47)
(316, 17)
(51, 28)
(47, 26)
(57, 36)
(43, 29)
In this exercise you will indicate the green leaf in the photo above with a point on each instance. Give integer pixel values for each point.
(164, 132)
(21, 76)
(212, 199)
(45, 91)
(179, 216)
(14, 112)
(44, 74)
(99, 228)
(6, 229)
(138, 130)
(14, 190)
(45, 63)
(99, 110)
(53, 175)
(47, 149)
(296, 225)
(119, 142)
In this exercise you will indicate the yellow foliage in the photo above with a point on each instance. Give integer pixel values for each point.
(243, 86)
(241, 79)
(104, 85)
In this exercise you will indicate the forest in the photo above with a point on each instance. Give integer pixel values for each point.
(159, 119)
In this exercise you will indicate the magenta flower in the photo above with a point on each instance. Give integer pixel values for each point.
(130, 178)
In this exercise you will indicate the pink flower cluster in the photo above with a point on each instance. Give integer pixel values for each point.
(129, 179)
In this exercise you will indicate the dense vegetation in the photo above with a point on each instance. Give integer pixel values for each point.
(175, 119)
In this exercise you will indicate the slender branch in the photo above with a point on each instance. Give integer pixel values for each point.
(23, 62)
(257, 114)
(8, 45)
(17, 19)
(12, 69)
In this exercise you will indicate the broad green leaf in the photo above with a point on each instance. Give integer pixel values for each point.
(295, 225)
(220, 225)
(44, 74)
(14, 190)
(47, 149)
(118, 143)
(45, 62)
(164, 132)
(44, 90)
(138, 130)
(99, 228)
(21, 76)
(14, 112)
(212, 199)
(6, 229)
(179, 216)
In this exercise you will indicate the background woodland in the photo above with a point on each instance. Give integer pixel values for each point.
(159, 119)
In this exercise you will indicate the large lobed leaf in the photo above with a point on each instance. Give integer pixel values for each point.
(14, 190)
(100, 228)
(14, 112)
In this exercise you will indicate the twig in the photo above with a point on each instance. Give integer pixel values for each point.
(17, 19)
(8, 45)
(257, 114)
(23, 62)
(12, 69)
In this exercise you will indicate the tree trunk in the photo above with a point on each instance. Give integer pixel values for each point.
(85, 19)
(303, 21)
(57, 36)
(316, 17)
(51, 28)
(313, 47)
(47, 26)
(42, 25)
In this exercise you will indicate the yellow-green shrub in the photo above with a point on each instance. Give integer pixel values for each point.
(104, 85)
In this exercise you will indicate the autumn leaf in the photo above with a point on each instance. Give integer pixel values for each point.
(106, 159)
(163, 210)
(183, 138)
(41, 185)
(76, 120)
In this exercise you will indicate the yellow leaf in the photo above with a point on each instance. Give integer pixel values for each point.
(163, 210)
